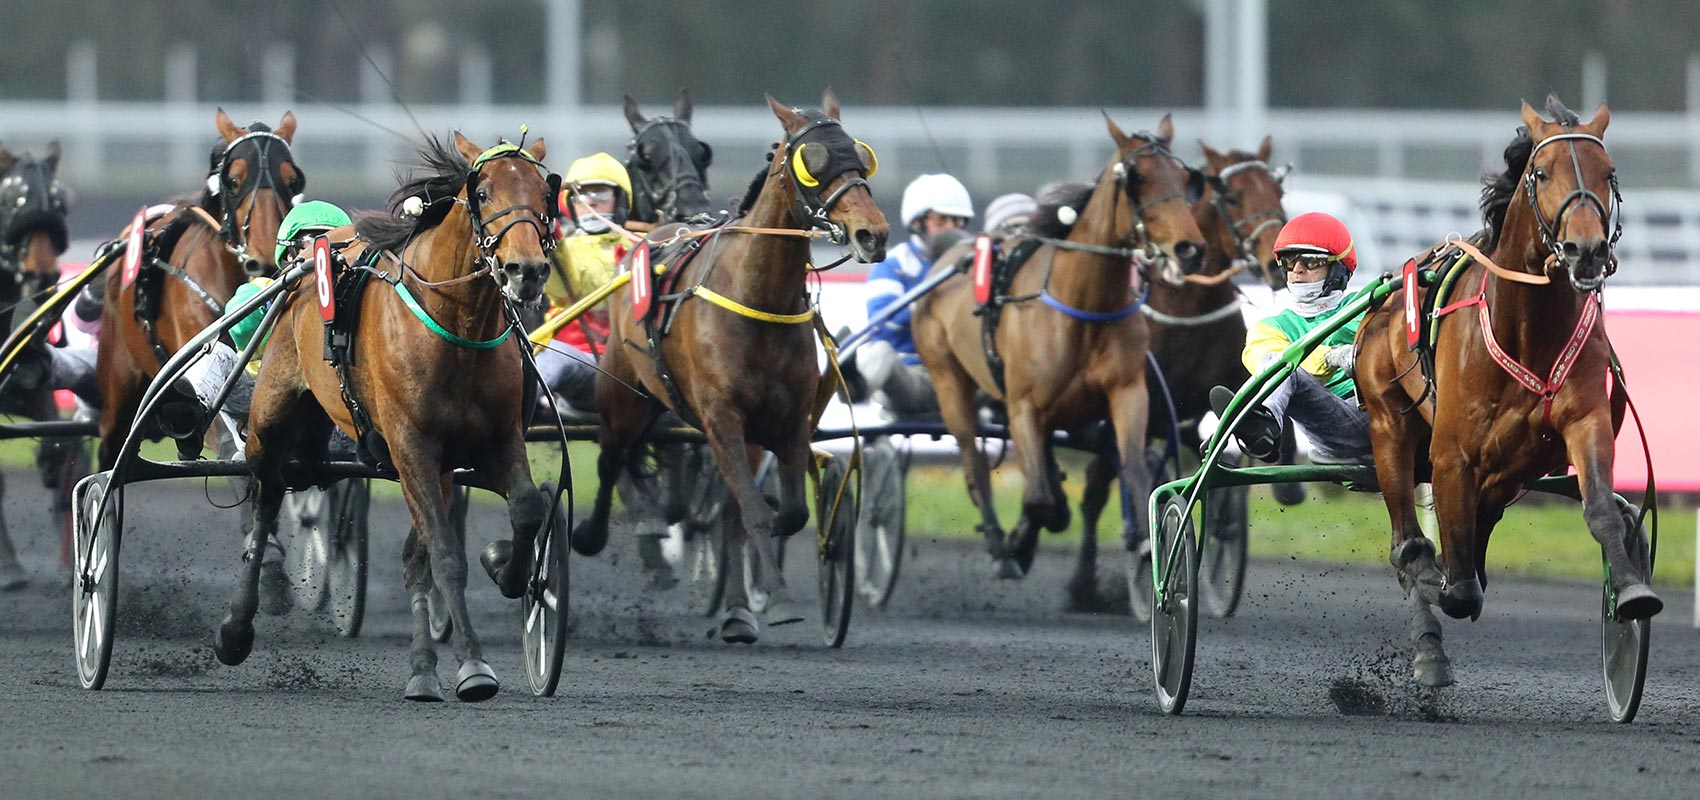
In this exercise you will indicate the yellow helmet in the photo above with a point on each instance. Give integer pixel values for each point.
(599, 168)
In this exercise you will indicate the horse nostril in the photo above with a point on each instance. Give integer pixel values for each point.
(1189, 251)
(868, 241)
(1570, 252)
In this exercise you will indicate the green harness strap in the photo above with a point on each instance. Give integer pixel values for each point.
(447, 335)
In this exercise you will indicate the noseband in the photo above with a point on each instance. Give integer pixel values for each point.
(523, 214)
(810, 208)
(1582, 195)
(265, 171)
(1126, 186)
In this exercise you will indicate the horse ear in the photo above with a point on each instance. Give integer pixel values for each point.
(7, 160)
(52, 157)
(829, 104)
(786, 116)
(682, 106)
(226, 128)
(1602, 118)
(1265, 148)
(1166, 129)
(1534, 122)
(634, 117)
(286, 128)
(1116, 131)
(1210, 153)
(536, 149)
(468, 150)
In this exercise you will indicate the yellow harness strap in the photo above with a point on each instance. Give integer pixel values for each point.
(563, 317)
(831, 383)
(745, 311)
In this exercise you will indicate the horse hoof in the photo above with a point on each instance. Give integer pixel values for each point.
(1637, 601)
(1010, 570)
(495, 557)
(233, 641)
(275, 597)
(1432, 671)
(738, 626)
(589, 538)
(1289, 494)
(1462, 599)
(781, 610)
(476, 682)
(424, 688)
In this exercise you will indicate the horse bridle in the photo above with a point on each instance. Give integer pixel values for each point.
(263, 173)
(809, 207)
(643, 186)
(1581, 194)
(1194, 188)
(1245, 244)
(31, 202)
(525, 214)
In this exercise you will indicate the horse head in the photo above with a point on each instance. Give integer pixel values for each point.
(33, 208)
(509, 196)
(1160, 190)
(1570, 184)
(253, 184)
(1245, 192)
(667, 164)
(829, 171)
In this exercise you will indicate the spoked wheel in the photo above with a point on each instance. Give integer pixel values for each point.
(880, 525)
(436, 607)
(94, 577)
(345, 554)
(835, 538)
(300, 529)
(1174, 618)
(703, 553)
(1223, 550)
(1623, 644)
(545, 602)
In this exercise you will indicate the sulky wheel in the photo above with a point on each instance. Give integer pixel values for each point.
(1623, 643)
(880, 525)
(835, 539)
(97, 517)
(300, 529)
(1174, 617)
(545, 602)
(436, 607)
(1222, 550)
(345, 537)
(703, 528)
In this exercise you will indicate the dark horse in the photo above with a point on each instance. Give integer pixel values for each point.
(1197, 328)
(750, 384)
(439, 399)
(33, 234)
(1480, 430)
(1077, 357)
(199, 252)
(667, 165)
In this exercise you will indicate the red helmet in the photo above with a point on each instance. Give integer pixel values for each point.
(1317, 234)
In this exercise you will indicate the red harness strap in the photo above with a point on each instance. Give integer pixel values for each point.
(1548, 388)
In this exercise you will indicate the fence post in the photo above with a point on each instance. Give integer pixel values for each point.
(188, 158)
(82, 90)
(375, 95)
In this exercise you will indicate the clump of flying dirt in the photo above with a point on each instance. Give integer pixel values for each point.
(1381, 685)
(161, 610)
(163, 662)
(292, 673)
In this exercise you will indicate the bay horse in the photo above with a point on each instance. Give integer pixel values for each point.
(33, 234)
(1071, 336)
(1488, 423)
(1197, 328)
(200, 252)
(748, 383)
(432, 371)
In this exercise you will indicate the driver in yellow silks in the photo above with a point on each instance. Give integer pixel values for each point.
(584, 261)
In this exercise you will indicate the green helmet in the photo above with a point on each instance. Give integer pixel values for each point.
(311, 214)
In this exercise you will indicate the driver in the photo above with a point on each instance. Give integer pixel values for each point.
(596, 195)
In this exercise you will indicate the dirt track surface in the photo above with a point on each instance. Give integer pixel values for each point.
(966, 687)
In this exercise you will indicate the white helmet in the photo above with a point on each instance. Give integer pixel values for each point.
(936, 192)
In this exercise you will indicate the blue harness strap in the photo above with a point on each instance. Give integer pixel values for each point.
(1092, 316)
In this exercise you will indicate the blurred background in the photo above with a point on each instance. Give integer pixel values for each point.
(1388, 109)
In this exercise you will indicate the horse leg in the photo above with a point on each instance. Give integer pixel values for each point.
(737, 462)
(508, 561)
(423, 685)
(792, 465)
(12, 575)
(235, 637)
(1039, 497)
(1590, 445)
(1083, 585)
(956, 407)
(1130, 415)
(738, 624)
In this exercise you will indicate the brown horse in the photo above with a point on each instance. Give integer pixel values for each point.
(1078, 356)
(201, 252)
(750, 383)
(1197, 329)
(1483, 434)
(439, 399)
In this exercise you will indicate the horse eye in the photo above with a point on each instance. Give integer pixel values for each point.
(1540, 174)
(483, 194)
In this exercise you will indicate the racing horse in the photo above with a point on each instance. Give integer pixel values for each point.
(738, 360)
(196, 254)
(668, 165)
(1197, 329)
(1071, 336)
(1493, 408)
(432, 382)
(33, 234)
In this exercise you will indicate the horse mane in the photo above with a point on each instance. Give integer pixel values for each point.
(1497, 190)
(753, 193)
(1053, 199)
(443, 176)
